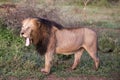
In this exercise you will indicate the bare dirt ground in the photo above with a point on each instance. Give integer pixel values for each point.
(53, 77)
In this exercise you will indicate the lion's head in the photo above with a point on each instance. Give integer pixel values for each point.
(29, 30)
(33, 30)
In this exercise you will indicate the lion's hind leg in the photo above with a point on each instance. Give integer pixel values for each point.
(93, 53)
(77, 57)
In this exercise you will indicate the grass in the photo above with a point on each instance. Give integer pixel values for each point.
(21, 62)
(109, 61)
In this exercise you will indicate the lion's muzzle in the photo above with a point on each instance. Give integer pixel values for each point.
(27, 41)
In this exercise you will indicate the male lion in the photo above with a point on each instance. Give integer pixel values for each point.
(49, 37)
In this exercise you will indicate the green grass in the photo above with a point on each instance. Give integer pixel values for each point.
(21, 62)
(16, 59)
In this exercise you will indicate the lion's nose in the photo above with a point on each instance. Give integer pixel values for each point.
(22, 33)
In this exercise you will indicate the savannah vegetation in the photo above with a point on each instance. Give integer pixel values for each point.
(18, 62)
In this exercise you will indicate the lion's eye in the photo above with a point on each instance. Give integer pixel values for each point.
(27, 28)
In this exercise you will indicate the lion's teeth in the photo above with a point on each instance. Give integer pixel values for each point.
(27, 42)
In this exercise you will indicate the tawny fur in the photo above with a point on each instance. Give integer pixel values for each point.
(50, 37)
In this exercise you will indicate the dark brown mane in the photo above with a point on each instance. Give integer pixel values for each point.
(45, 33)
(49, 23)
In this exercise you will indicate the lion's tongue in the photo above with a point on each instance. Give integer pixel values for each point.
(27, 42)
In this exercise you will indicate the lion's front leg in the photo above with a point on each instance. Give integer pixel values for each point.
(49, 53)
(48, 63)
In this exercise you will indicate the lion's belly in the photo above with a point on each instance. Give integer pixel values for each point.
(67, 46)
(68, 42)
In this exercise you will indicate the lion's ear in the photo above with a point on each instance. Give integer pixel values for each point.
(25, 21)
(22, 22)
(55, 28)
(38, 23)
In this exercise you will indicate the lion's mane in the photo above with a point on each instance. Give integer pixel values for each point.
(45, 31)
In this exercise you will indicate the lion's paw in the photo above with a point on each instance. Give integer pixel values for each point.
(44, 71)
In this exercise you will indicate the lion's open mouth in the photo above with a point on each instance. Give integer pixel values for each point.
(27, 42)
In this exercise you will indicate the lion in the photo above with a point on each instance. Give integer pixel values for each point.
(51, 38)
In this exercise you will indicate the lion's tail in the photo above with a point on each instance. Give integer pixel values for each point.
(107, 51)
